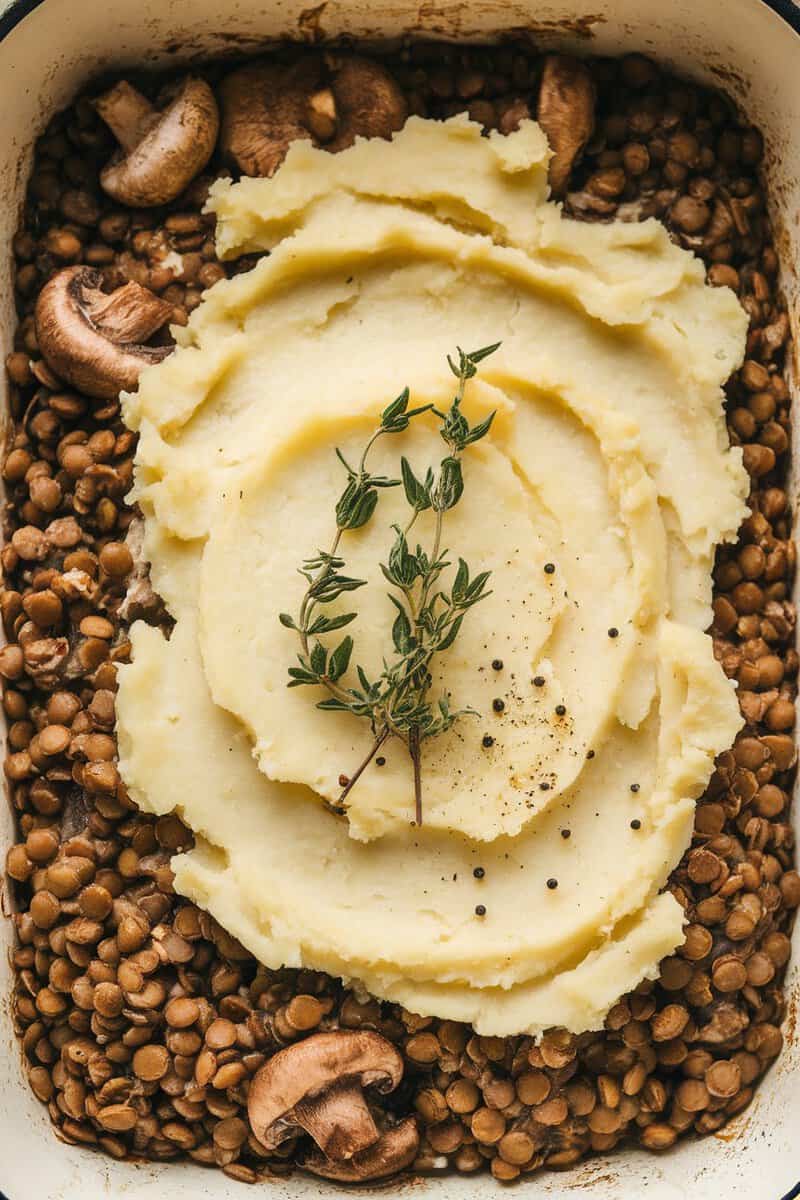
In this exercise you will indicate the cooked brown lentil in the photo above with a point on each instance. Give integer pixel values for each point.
(141, 1020)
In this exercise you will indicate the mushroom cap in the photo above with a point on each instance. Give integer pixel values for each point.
(77, 349)
(566, 114)
(309, 1068)
(263, 108)
(172, 151)
(369, 101)
(395, 1150)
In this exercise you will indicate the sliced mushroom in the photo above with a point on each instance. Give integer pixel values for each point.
(395, 1149)
(264, 108)
(566, 114)
(161, 150)
(316, 1086)
(727, 1022)
(95, 340)
(140, 602)
(367, 100)
(332, 101)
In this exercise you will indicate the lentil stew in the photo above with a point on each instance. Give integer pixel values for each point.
(142, 1021)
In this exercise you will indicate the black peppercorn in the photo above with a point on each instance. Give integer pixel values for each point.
(487, 740)
(380, 761)
(634, 787)
(561, 710)
(552, 884)
(613, 632)
(549, 568)
(636, 823)
(480, 910)
(479, 872)
(498, 705)
(566, 833)
(497, 664)
(538, 681)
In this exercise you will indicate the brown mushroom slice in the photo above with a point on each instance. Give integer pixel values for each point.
(727, 1022)
(130, 315)
(368, 101)
(566, 114)
(94, 340)
(161, 150)
(264, 108)
(315, 1086)
(395, 1150)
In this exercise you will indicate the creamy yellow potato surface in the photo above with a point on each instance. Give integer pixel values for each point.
(608, 462)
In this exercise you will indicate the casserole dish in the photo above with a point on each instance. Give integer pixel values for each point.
(48, 51)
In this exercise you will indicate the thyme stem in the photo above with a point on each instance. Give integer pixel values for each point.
(428, 619)
(361, 768)
(414, 751)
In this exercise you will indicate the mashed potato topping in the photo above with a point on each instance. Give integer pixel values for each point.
(596, 502)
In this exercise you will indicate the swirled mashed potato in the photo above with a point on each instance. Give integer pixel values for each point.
(608, 459)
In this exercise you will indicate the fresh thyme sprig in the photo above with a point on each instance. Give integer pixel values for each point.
(429, 618)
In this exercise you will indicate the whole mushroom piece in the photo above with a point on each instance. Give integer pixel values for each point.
(315, 1086)
(93, 339)
(161, 150)
(331, 100)
(566, 114)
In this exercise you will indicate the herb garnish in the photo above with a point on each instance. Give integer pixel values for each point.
(428, 620)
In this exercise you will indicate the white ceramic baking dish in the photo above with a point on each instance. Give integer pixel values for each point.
(48, 48)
